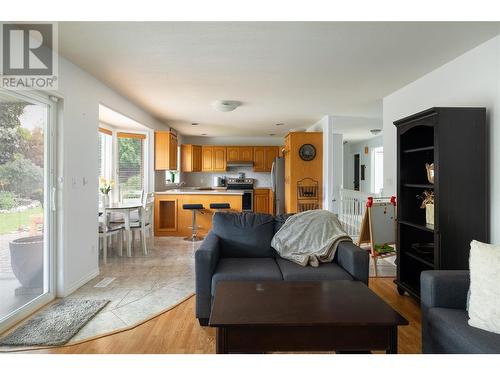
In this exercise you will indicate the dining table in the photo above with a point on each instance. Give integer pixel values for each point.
(125, 209)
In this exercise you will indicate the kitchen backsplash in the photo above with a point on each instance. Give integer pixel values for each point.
(206, 178)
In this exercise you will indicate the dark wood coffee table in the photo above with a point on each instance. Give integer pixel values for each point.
(275, 316)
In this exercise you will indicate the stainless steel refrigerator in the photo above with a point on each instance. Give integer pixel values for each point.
(278, 185)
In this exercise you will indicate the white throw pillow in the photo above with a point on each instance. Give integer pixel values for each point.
(484, 304)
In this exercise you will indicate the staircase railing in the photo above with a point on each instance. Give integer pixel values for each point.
(352, 209)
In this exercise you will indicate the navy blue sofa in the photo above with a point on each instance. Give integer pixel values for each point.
(239, 248)
(445, 328)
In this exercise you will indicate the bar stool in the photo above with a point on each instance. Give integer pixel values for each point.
(194, 207)
(220, 206)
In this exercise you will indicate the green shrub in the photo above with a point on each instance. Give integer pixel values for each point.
(21, 176)
(8, 200)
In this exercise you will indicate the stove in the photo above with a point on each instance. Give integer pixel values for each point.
(240, 183)
(245, 184)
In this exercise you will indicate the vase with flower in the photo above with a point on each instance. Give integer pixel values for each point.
(105, 187)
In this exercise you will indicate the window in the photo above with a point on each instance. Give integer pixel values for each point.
(105, 153)
(378, 169)
(130, 162)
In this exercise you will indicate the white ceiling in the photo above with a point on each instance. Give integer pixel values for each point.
(283, 72)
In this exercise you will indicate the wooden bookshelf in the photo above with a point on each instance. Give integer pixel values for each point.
(455, 140)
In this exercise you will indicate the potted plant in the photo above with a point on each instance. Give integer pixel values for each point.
(26, 260)
(105, 187)
(427, 198)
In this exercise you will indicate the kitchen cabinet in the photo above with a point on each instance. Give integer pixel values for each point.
(261, 201)
(213, 158)
(165, 215)
(165, 151)
(233, 154)
(207, 156)
(190, 158)
(303, 178)
(219, 163)
(240, 153)
(263, 157)
(272, 153)
(246, 153)
(170, 219)
(259, 159)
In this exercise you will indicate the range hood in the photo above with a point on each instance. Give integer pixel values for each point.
(230, 164)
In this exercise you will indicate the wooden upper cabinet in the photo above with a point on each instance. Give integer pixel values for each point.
(233, 153)
(219, 159)
(245, 153)
(190, 158)
(165, 151)
(239, 153)
(207, 156)
(259, 159)
(263, 157)
(272, 153)
(196, 158)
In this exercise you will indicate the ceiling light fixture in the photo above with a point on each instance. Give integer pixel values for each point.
(226, 105)
(375, 131)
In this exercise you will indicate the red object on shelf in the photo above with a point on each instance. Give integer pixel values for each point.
(393, 200)
(369, 202)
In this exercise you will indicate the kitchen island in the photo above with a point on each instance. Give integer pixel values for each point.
(172, 220)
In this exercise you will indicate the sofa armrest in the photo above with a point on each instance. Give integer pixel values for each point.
(206, 259)
(354, 260)
(444, 288)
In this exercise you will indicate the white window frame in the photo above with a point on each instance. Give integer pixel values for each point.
(113, 158)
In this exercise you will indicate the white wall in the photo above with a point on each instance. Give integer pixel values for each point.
(350, 149)
(472, 79)
(81, 95)
(332, 162)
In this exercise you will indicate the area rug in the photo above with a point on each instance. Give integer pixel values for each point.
(55, 324)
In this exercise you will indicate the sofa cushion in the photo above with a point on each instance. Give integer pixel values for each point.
(279, 220)
(325, 272)
(244, 234)
(245, 269)
(450, 333)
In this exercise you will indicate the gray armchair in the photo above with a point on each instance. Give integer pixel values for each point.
(239, 248)
(445, 328)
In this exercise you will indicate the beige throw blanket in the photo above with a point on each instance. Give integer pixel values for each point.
(309, 237)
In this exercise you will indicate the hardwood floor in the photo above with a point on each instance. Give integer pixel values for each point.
(177, 331)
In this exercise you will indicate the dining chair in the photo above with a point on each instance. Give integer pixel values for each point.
(106, 231)
(131, 196)
(145, 222)
(128, 196)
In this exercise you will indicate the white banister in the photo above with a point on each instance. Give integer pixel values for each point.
(352, 209)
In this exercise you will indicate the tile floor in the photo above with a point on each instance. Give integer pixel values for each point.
(141, 286)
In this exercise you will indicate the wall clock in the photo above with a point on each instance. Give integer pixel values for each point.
(307, 152)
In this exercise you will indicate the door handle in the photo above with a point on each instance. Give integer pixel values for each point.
(53, 199)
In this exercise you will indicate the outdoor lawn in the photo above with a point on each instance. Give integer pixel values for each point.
(12, 221)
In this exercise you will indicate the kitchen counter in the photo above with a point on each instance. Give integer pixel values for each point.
(191, 191)
(171, 219)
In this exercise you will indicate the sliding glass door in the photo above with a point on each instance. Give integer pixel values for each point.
(26, 204)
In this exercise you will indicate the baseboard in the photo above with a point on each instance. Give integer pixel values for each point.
(82, 281)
